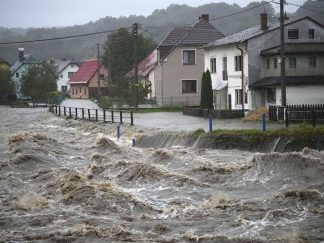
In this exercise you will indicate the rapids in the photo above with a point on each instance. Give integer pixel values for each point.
(63, 180)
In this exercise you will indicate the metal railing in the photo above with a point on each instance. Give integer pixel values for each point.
(98, 115)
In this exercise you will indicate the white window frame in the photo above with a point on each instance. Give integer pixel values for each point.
(183, 50)
(238, 68)
(197, 88)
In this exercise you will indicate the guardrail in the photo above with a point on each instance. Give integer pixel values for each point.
(98, 115)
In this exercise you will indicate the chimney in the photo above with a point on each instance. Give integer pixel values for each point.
(205, 17)
(21, 54)
(264, 21)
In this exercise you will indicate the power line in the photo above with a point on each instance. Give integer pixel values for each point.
(59, 38)
(301, 6)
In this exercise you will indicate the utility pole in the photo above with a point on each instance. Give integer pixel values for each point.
(135, 33)
(282, 54)
(98, 69)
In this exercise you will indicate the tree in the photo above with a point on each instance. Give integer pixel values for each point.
(118, 54)
(38, 82)
(206, 96)
(6, 86)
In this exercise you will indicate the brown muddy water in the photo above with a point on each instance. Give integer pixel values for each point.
(72, 181)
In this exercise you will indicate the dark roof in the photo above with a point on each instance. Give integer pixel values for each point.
(85, 72)
(296, 48)
(200, 34)
(290, 80)
(252, 32)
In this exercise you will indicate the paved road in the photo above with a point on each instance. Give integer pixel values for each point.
(176, 121)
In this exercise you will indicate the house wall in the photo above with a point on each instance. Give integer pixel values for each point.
(271, 39)
(302, 66)
(64, 78)
(4, 65)
(304, 94)
(171, 72)
(22, 70)
(90, 89)
(234, 77)
(151, 78)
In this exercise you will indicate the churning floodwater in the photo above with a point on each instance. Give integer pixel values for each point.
(63, 180)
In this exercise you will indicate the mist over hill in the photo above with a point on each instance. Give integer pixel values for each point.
(155, 26)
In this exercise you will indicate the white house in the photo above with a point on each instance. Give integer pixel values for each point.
(260, 77)
(225, 65)
(64, 70)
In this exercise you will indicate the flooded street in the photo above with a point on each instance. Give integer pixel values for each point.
(63, 180)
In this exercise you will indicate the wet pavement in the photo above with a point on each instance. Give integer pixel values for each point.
(176, 121)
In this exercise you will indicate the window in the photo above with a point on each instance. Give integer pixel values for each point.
(64, 88)
(80, 90)
(268, 63)
(238, 96)
(312, 62)
(311, 34)
(85, 91)
(238, 63)
(189, 57)
(70, 74)
(72, 65)
(72, 91)
(293, 34)
(245, 97)
(61, 76)
(213, 65)
(17, 75)
(225, 76)
(189, 86)
(275, 63)
(292, 62)
(102, 77)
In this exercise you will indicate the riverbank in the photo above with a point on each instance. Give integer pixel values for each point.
(277, 140)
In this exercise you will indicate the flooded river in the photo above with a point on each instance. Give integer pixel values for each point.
(64, 180)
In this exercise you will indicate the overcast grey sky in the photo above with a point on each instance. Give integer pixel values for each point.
(49, 13)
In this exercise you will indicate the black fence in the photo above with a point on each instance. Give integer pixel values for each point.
(98, 115)
(297, 114)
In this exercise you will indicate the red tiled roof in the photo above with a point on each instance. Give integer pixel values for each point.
(146, 65)
(85, 73)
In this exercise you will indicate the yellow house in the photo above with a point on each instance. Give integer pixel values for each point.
(4, 64)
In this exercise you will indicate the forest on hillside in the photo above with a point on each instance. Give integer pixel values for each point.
(156, 26)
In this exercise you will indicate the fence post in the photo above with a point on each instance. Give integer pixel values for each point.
(96, 115)
(286, 117)
(118, 132)
(70, 113)
(210, 121)
(112, 116)
(263, 121)
(134, 142)
(89, 115)
(104, 115)
(64, 111)
(76, 113)
(132, 119)
(121, 117)
(313, 117)
(56, 110)
(82, 113)
(59, 113)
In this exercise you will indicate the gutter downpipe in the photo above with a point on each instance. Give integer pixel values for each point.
(242, 75)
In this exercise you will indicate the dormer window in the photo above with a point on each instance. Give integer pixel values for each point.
(293, 34)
